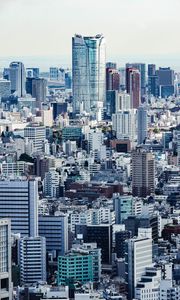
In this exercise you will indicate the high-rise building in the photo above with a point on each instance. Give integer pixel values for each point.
(55, 230)
(111, 97)
(37, 134)
(5, 260)
(138, 256)
(5, 88)
(32, 259)
(142, 69)
(102, 235)
(89, 74)
(142, 124)
(32, 72)
(39, 87)
(151, 70)
(143, 173)
(19, 201)
(165, 82)
(124, 124)
(17, 77)
(133, 86)
(123, 207)
(51, 183)
(112, 79)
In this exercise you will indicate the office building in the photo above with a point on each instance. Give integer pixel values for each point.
(32, 72)
(72, 133)
(102, 235)
(89, 74)
(18, 201)
(143, 173)
(165, 82)
(55, 230)
(120, 244)
(138, 256)
(111, 97)
(5, 88)
(36, 134)
(51, 183)
(32, 259)
(133, 86)
(142, 69)
(82, 263)
(142, 125)
(17, 77)
(39, 90)
(112, 79)
(168, 290)
(5, 260)
(123, 207)
(124, 124)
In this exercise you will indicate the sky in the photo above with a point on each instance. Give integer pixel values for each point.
(40, 31)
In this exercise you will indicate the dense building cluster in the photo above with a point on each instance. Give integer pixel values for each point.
(90, 179)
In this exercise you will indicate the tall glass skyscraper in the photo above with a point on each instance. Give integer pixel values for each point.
(89, 74)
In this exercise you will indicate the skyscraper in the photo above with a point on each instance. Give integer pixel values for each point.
(143, 173)
(142, 124)
(133, 86)
(142, 69)
(89, 74)
(112, 79)
(5, 260)
(166, 82)
(17, 77)
(39, 86)
(18, 201)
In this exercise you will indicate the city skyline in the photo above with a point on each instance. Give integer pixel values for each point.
(134, 30)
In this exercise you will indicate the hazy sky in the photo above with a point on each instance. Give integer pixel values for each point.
(133, 28)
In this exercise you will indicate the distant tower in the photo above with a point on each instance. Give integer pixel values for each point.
(133, 86)
(17, 77)
(141, 67)
(143, 173)
(89, 74)
(39, 87)
(142, 124)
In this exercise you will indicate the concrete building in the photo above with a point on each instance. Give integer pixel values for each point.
(51, 183)
(133, 86)
(143, 173)
(138, 256)
(5, 88)
(124, 124)
(55, 230)
(39, 90)
(5, 260)
(32, 259)
(123, 207)
(17, 77)
(37, 134)
(142, 125)
(18, 201)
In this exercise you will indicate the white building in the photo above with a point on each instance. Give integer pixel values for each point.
(149, 286)
(37, 134)
(138, 257)
(124, 124)
(123, 102)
